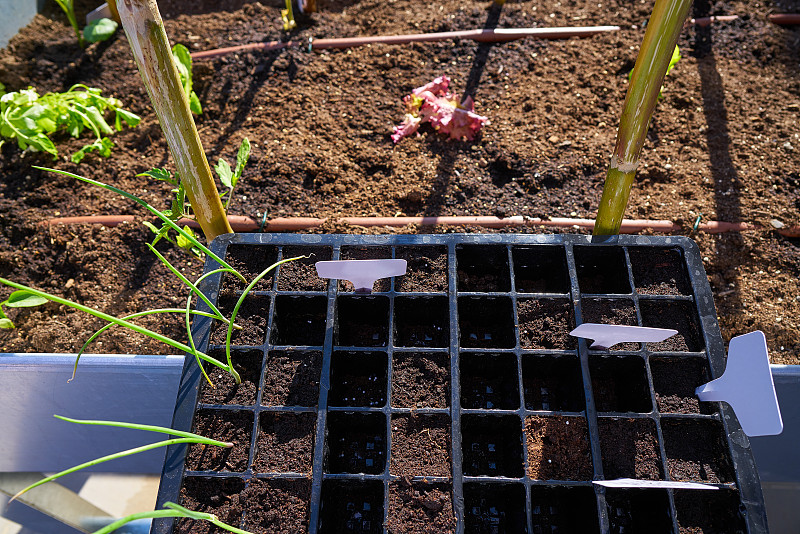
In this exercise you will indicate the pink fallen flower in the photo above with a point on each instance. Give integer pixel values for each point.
(433, 103)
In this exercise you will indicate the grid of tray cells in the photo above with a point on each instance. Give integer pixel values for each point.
(462, 374)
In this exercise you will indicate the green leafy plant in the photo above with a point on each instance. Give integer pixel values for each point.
(95, 31)
(18, 299)
(183, 61)
(30, 119)
(180, 208)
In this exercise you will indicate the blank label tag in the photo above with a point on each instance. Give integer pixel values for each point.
(606, 336)
(633, 483)
(362, 273)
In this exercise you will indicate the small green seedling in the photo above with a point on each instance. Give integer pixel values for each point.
(18, 299)
(173, 510)
(230, 179)
(183, 61)
(95, 31)
(30, 119)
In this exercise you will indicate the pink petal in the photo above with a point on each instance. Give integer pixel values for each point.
(437, 87)
(409, 125)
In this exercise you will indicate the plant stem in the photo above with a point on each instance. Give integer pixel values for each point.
(153, 55)
(658, 44)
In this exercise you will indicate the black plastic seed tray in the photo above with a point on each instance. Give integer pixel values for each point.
(453, 398)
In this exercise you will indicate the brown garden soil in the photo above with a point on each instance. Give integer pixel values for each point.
(558, 448)
(417, 508)
(723, 143)
(420, 446)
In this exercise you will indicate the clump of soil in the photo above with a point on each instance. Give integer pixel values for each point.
(418, 508)
(629, 449)
(282, 506)
(224, 425)
(545, 324)
(675, 381)
(291, 378)
(250, 261)
(420, 380)
(659, 272)
(301, 275)
(252, 317)
(225, 389)
(696, 451)
(420, 445)
(558, 448)
(285, 442)
(223, 497)
(426, 269)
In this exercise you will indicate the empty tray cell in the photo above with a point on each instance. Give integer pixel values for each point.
(619, 384)
(420, 508)
(282, 505)
(696, 450)
(489, 381)
(218, 496)
(299, 320)
(234, 426)
(709, 512)
(486, 322)
(552, 383)
(675, 381)
(677, 315)
(226, 391)
(366, 253)
(426, 269)
(252, 317)
(483, 268)
(558, 448)
(420, 380)
(291, 378)
(250, 261)
(659, 271)
(358, 379)
(546, 324)
(356, 443)
(494, 509)
(540, 270)
(351, 507)
(557, 509)
(362, 321)
(630, 449)
(420, 445)
(638, 510)
(301, 275)
(285, 442)
(421, 322)
(602, 270)
(611, 311)
(492, 445)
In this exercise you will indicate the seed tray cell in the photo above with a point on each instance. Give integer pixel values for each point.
(453, 399)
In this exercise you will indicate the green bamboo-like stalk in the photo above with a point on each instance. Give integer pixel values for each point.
(153, 55)
(659, 41)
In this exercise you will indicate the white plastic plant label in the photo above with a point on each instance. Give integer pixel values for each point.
(747, 386)
(633, 483)
(362, 273)
(606, 336)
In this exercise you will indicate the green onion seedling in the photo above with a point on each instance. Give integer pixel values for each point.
(173, 510)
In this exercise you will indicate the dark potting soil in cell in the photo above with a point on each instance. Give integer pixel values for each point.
(675, 381)
(219, 496)
(362, 321)
(489, 381)
(696, 451)
(558, 448)
(630, 449)
(420, 380)
(619, 384)
(277, 506)
(250, 261)
(358, 379)
(299, 320)
(709, 512)
(611, 311)
(638, 511)
(301, 275)
(557, 509)
(482, 268)
(226, 390)
(545, 324)
(420, 445)
(540, 270)
(552, 383)
(285, 442)
(426, 269)
(252, 317)
(659, 272)
(418, 508)
(291, 378)
(366, 253)
(232, 426)
(677, 315)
